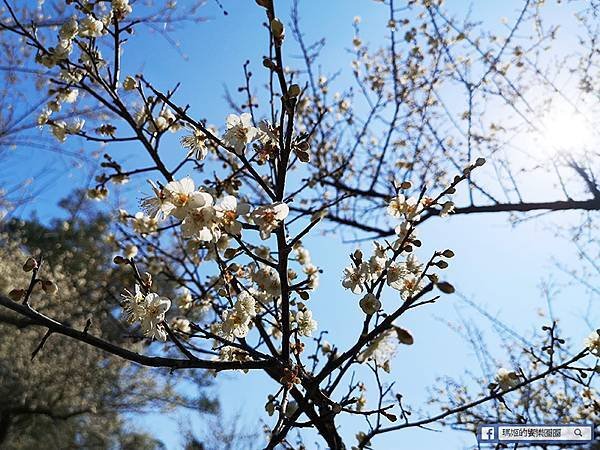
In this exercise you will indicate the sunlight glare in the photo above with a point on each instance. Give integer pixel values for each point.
(564, 129)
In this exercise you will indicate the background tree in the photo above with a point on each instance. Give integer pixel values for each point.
(56, 394)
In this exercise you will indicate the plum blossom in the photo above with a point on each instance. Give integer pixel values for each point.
(269, 217)
(121, 8)
(130, 251)
(202, 222)
(405, 277)
(229, 209)
(185, 299)
(182, 325)
(381, 350)
(376, 265)
(60, 128)
(130, 83)
(355, 277)
(267, 279)
(183, 196)
(401, 206)
(312, 272)
(395, 274)
(592, 342)
(166, 120)
(69, 29)
(506, 379)
(133, 304)
(91, 27)
(196, 143)
(240, 132)
(144, 224)
(149, 310)
(158, 206)
(306, 324)
(302, 255)
(447, 208)
(229, 353)
(155, 308)
(236, 320)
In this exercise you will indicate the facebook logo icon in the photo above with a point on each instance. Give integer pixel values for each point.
(487, 434)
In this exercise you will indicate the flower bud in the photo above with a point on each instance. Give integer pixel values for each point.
(479, 162)
(119, 260)
(370, 304)
(230, 253)
(448, 253)
(404, 336)
(294, 91)
(445, 287)
(130, 83)
(16, 294)
(277, 29)
(130, 251)
(49, 287)
(30, 264)
(269, 64)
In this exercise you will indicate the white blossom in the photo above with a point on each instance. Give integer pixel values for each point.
(182, 325)
(202, 222)
(130, 83)
(144, 224)
(121, 8)
(240, 132)
(381, 350)
(267, 279)
(155, 308)
(130, 251)
(354, 278)
(183, 196)
(236, 320)
(185, 299)
(133, 304)
(306, 324)
(229, 210)
(401, 206)
(506, 379)
(592, 342)
(395, 275)
(69, 29)
(157, 206)
(91, 27)
(196, 143)
(269, 217)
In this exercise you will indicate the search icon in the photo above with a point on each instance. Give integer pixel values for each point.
(577, 432)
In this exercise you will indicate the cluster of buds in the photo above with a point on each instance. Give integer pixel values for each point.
(48, 286)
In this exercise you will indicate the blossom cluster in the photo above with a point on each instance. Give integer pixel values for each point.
(237, 320)
(202, 218)
(149, 309)
(404, 277)
(76, 33)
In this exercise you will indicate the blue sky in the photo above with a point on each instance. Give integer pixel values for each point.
(497, 265)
